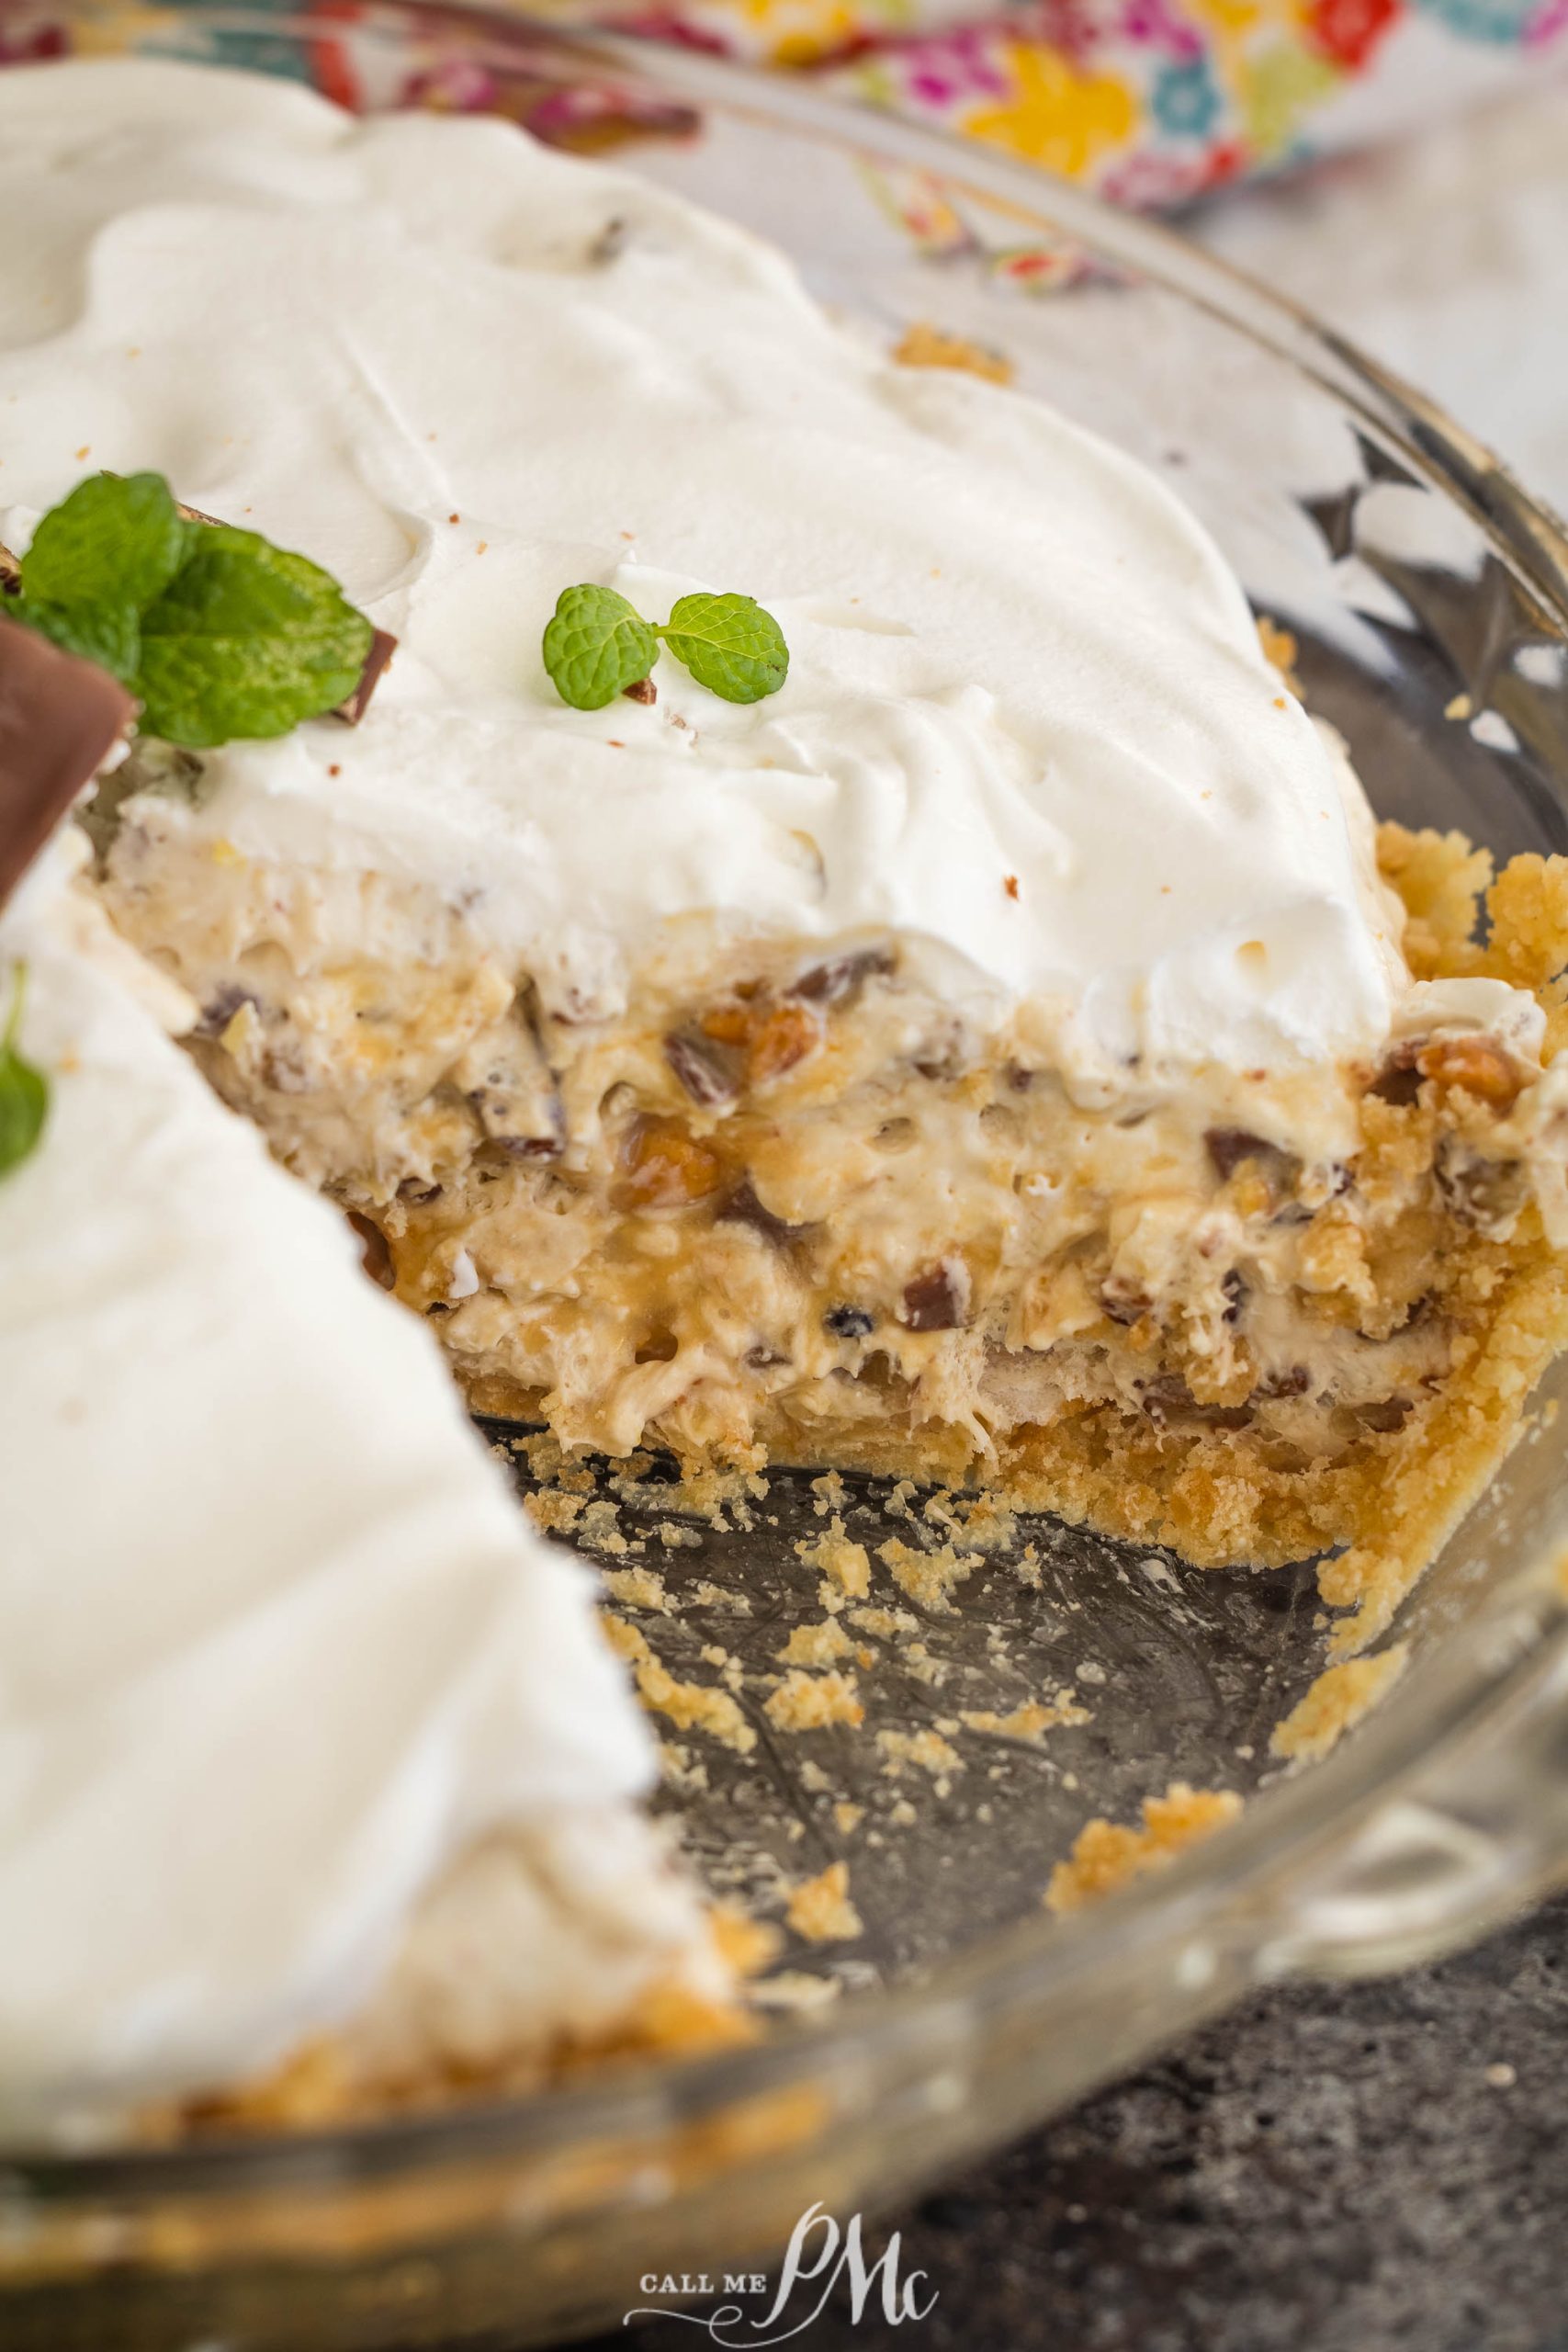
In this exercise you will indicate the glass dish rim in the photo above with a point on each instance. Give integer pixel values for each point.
(1226, 1884)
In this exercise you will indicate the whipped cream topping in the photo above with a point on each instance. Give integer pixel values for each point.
(276, 1644)
(464, 373)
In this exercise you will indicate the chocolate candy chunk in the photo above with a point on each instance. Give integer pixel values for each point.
(850, 1322)
(936, 1300)
(843, 975)
(383, 645)
(59, 718)
(1385, 1415)
(1228, 1147)
(376, 1255)
(700, 1070)
(742, 1208)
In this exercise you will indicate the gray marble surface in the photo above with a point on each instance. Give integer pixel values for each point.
(1331, 2168)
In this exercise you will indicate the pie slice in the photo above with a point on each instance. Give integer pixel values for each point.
(320, 1786)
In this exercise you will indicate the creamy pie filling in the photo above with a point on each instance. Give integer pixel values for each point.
(798, 1205)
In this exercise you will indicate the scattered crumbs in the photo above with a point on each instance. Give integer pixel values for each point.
(812, 1702)
(1092, 1674)
(887, 1624)
(1031, 1721)
(917, 1660)
(334, 767)
(1501, 2077)
(1160, 1573)
(926, 1750)
(1280, 647)
(902, 1816)
(683, 1771)
(85, 450)
(898, 1503)
(1026, 1567)
(599, 1525)
(677, 1539)
(1460, 707)
(847, 1817)
(794, 1990)
(820, 1645)
(552, 1512)
(718, 1596)
(1338, 1699)
(638, 1587)
(813, 1778)
(929, 1578)
(481, 546)
(820, 1910)
(987, 1522)
(844, 1563)
(552, 1464)
(691, 1706)
(454, 518)
(924, 346)
(1105, 1855)
(831, 1493)
(1010, 884)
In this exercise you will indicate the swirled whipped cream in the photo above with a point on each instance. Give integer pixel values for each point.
(300, 1721)
(1027, 723)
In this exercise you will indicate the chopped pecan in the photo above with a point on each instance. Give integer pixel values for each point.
(705, 1073)
(1478, 1066)
(781, 1038)
(641, 690)
(666, 1168)
(843, 975)
(376, 1255)
(938, 1300)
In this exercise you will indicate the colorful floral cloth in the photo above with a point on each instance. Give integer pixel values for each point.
(1154, 102)
(1151, 102)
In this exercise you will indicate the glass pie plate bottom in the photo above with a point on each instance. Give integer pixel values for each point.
(1429, 597)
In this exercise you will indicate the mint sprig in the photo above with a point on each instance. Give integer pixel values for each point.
(24, 1090)
(597, 645)
(216, 632)
(730, 645)
(247, 641)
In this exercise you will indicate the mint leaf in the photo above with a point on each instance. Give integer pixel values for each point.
(730, 645)
(117, 540)
(596, 645)
(110, 634)
(246, 640)
(24, 1091)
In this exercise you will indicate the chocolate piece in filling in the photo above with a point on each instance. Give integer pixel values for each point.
(59, 718)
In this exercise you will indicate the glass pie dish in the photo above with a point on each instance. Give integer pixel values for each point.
(1429, 603)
